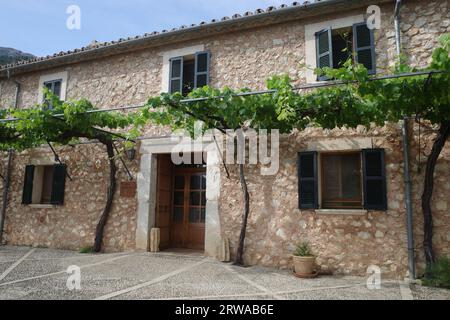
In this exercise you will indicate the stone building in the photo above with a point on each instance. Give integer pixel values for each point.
(348, 226)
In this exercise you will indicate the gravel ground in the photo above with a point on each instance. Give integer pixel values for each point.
(27, 273)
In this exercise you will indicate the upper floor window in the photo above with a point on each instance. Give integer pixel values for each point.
(335, 46)
(54, 86)
(189, 72)
(56, 83)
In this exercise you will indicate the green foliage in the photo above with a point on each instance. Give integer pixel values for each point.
(358, 101)
(56, 121)
(86, 250)
(438, 274)
(303, 250)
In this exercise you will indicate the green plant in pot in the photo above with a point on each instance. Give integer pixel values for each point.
(304, 260)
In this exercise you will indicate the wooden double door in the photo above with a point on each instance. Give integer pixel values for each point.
(181, 205)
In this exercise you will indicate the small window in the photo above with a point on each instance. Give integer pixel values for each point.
(335, 46)
(189, 72)
(44, 184)
(341, 181)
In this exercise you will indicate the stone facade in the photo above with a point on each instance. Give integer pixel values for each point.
(344, 243)
(72, 226)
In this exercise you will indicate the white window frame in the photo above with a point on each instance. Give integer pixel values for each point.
(310, 40)
(63, 76)
(167, 55)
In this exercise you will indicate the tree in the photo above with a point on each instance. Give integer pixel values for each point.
(61, 122)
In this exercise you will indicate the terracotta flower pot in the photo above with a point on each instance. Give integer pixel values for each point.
(304, 265)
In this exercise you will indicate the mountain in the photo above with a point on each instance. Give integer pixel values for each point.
(10, 55)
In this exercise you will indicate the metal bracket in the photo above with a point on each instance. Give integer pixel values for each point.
(130, 176)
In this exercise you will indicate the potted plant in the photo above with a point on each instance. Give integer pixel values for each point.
(304, 260)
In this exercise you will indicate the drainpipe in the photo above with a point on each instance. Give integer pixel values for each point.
(398, 4)
(406, 171)
(408, 201)
(7, 176)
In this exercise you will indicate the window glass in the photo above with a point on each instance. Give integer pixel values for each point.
(178, 198)
(341, 181)
(179, 182)
(178, 213)
(195, 182)
(47, 182)
(195, 198)
(194, 215)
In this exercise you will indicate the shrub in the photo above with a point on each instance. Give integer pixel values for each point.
(438, 274)
(303, 250)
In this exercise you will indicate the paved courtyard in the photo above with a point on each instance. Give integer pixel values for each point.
(27, 273)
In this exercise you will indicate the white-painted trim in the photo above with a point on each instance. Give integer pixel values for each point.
(64, 76)
(310, 40)
(167, 55)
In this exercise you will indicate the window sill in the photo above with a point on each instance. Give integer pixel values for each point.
(42, 206)
(342, 212)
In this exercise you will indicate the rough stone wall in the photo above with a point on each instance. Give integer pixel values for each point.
(344, 244)
(72, 226)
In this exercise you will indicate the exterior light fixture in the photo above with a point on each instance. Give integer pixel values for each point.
(130, 153)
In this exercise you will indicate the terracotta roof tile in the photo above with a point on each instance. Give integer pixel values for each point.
(98, 45)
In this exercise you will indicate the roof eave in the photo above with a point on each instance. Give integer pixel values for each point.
(190, 33)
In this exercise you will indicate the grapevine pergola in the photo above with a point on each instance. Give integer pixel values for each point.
(353, 99)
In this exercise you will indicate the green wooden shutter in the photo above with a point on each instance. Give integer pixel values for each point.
(364, 43)
(27, 193)
(59, 182)
(176, 75)
(201, 69)
(307, 180)
(324, 48)
(374, 179)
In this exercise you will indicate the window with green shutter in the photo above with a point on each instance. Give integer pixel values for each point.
(307, 180)
(345, 180)
(176, 75)
(335, 46)
(324, 48)
(364, 44)
(44, 184)
(189, 72)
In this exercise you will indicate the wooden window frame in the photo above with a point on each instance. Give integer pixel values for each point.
(322, 181)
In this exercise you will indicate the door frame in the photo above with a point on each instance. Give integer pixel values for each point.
(146, 185)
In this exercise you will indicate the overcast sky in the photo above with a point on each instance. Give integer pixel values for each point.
(39, 26)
